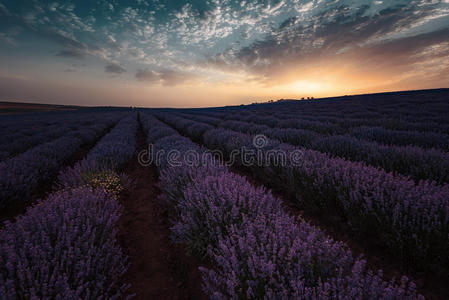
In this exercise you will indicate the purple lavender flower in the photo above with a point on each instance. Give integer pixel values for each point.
(63, 248)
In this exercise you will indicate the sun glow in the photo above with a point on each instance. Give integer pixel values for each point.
(306, 87)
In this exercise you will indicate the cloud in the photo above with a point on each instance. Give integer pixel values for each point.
(7, 39)
(267, 41)
(58, 26)
(114, 68)
(4, 12)
(166, 77)
(326, 34)
(172, 78)
(72, 53)
(148, 76)
(136, 53)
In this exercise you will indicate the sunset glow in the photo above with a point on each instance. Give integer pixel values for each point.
(208, 53)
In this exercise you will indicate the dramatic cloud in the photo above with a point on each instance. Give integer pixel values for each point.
(114, 68)
(166, 77)
(72, 53)
(351, 43)
(341, 28)
(148, 76)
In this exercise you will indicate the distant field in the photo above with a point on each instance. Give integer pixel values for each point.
(19, 108)
(269, 199)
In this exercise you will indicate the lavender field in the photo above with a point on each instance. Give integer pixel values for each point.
(334, 198)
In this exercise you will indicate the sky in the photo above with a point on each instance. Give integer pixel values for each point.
(166, 53)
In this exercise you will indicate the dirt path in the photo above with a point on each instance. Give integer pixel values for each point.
(159, 268)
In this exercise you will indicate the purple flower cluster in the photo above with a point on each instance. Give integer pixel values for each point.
(208, 119)
(77, 175)
(272, 257)
(117, 147)
(20, 137)
(402, 138)
(416, 162)
(110, 153)
(64, 248)
(389, 123)
(413, 161)
(249, 128)
(154, 128)
(257, 250)
(339, 123)
(22, 174)
(193, 129)
(211, 203)
(400, 121)
(22, 143)
(411, 219)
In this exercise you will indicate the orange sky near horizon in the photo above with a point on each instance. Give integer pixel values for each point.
(216, 53)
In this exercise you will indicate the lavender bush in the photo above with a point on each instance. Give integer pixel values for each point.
(174, 180)
(22, 174)
(273, 258)
(257, 250)
(416, 162)
(22, 135)
(411, 219)
(117, 147)
(64, 248)
(403, 138)
(109, 154)
(210, 204)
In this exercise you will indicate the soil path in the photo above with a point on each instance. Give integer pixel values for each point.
(159, 268)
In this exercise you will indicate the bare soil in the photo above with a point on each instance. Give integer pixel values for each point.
(159, 268)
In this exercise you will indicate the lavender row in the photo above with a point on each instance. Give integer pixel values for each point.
(22, 174)
(109, 154)
(370, 133)
(416, 162)
(27, 126)
(64, 248)
(19, 143)
(335, 123)
(403, 138)
(429, 106)
(392, 115)
(346, 123)
(14, 146)
(257, 251)
(412, 220)
(413, 111)
(375, 133)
